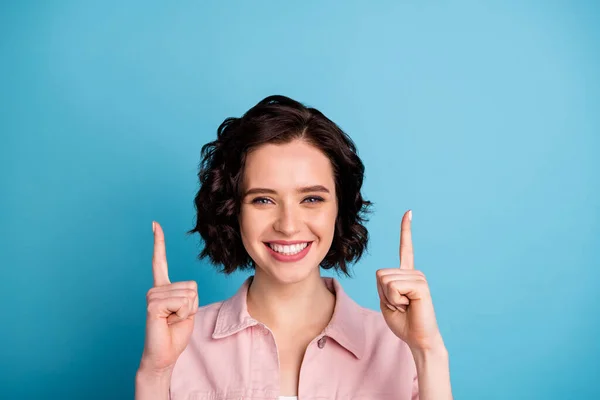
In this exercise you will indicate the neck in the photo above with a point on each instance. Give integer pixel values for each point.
(283, 306)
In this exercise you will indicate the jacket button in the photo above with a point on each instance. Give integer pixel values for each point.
(321, 342)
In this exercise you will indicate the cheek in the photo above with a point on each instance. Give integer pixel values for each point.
(249, 225)
(323, 222)
(254, 226)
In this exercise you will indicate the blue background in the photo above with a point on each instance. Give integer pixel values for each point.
(482, 117)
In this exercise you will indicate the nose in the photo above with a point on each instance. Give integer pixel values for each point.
(287, 221)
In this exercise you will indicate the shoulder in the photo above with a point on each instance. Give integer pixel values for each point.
(375, 325)
(201, 347)
(205, 320)
(381, 342)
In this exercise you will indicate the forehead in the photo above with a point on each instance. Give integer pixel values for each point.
(287, 165)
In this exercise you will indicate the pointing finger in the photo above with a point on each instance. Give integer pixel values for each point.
(160, 270)
(407, 258)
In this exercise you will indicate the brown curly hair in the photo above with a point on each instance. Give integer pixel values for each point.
(278, 120)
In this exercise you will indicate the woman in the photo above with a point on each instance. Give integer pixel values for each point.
(280, 195)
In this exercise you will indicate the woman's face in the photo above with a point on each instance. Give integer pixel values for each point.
(288, 209)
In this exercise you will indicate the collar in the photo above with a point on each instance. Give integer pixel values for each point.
(346, 326)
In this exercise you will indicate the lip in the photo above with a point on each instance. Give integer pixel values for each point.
(288, 242)
(290, 258)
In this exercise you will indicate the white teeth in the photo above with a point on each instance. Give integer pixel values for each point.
(288, 250)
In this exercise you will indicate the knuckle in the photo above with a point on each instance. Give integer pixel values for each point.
(385, 280)
(150, 293)
(395, 284)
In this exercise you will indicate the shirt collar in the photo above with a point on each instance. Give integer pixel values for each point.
(346, 326)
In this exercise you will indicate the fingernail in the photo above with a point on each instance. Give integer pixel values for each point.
(153, 227)
(410, 215)
(390, 307)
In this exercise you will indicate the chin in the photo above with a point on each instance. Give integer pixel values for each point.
(291, 276)
(290, 272)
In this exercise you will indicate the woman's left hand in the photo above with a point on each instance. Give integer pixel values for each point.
(405, 300)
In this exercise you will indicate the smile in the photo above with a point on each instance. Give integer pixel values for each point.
(288, 253)
(288, 250)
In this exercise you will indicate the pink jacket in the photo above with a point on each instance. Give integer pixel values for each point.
(232, 356)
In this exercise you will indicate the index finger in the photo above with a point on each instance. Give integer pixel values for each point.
(407, 258)
(160, 270)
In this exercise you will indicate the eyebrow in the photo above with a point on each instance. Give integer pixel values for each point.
(306, 189)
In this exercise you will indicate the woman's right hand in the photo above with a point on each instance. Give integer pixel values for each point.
(171, 308)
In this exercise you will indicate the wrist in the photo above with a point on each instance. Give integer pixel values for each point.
(152, 384)
(435, 349)
(152, 375)
(427, 356)
(433, 371)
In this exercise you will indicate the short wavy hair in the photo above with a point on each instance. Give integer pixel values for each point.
(277, 120)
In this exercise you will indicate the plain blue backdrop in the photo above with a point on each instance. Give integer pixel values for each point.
(482, 117)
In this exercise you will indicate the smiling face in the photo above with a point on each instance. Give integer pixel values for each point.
(288, 211)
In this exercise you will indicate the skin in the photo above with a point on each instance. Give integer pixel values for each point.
(407, 308)
(281, 290)
(400, 287)
(289, 298)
